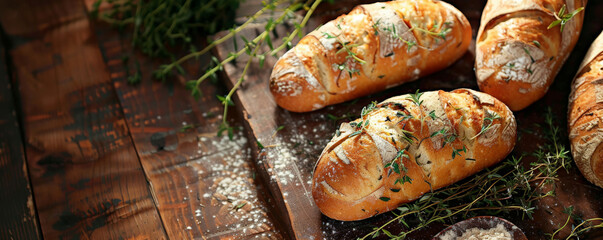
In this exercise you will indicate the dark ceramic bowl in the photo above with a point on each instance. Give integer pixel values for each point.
(481, 222)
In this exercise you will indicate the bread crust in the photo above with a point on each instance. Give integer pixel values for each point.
(585, 114)
(374, 47)
(517, 56)
(354, 177)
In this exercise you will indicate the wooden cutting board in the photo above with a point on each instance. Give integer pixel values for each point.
(287, 160)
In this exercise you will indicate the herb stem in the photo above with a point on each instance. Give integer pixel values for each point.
(238, 84)
(230, 58)
(136, 23)
(387, 223)
(562, 227)
(600, 225)
(222, 39)
(111, 20)
(182, 19)
(302, 24)
(497, 208)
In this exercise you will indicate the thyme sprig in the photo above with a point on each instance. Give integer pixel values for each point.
(288, 14)
(489, 118)
(158, 25)
(347, 47)
(165, 70)
(499, 190)
(563, 18)
(440, 34)
(250, 48)
(226, 101)
(582, 227)
(397, 166)
(416, 98)
(363, 123)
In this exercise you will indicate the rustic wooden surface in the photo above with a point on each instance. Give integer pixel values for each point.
(32, 18)
(86, 177)
(108, 160)
(286, 163)
(197, 178)
(18, 218)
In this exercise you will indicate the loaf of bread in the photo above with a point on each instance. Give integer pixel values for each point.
(409, 145)
(374, 47)
(517, 55)
(585, 114)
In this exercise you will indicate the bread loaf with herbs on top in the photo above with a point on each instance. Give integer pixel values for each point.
(374, 47)
(407, 146)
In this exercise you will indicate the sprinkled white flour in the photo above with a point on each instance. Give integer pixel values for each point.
(516, 62)
(497, 233)
(233, 191)
(288, 155)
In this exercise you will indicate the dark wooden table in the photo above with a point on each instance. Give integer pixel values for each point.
(85, 155)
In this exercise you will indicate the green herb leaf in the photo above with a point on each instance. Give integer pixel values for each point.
(268, 41)
(261, 58)
(225, 127)
(239, 206)
(355, 133)
(536, 43)
(563, 18)
(432, 114)
(403, 209)
(553, 24)
(225, 100)
(187, 127)
(416, 98)
(387, 233)
(528, 52)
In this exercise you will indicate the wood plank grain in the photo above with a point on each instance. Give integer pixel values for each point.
(204, 184)
(30, 18)
(287, 161)
(18, 218)
(86, 176)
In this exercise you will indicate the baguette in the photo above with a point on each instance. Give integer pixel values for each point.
(408, 145)
(517, 56)
(374, 47)
(585, 113)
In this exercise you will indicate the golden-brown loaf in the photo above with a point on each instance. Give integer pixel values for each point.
(433, 140)
(374, 47)
(517, 57)
(585, 114)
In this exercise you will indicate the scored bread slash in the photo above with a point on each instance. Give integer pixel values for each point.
(408, 145)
